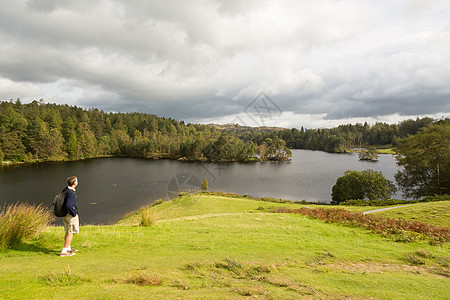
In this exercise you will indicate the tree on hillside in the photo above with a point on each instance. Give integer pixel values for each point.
(368, 184)
(425, 162)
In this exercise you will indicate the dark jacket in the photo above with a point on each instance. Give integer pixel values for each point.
(70, 201)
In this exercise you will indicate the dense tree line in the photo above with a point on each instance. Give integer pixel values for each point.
(337, 139)
(45, 131)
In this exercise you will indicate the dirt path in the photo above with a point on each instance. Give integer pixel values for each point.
(382, 209)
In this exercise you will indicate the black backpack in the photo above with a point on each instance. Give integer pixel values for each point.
(59, 208)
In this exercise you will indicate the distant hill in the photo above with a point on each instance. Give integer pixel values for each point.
(239, 128)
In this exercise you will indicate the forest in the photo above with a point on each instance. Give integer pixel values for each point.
(40, 131)
(339, 139)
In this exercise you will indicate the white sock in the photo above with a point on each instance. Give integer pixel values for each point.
(64, 250)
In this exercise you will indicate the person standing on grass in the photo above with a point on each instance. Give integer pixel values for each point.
(71, 221)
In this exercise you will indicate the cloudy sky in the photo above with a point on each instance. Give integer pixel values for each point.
(279, 62)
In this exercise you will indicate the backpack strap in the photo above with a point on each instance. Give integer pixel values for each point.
(64, 193)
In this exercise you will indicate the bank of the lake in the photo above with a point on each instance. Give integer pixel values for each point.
(112, 187)
(216, 247)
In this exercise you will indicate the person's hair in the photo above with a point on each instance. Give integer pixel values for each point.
(71, 180)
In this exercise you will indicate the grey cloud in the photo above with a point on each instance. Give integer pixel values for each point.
(48, 6)
(211, 58)
(415, 105)
(190, 108)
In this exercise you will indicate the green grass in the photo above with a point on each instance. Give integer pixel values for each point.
(386, 151)
(211, 247)
(200, 204)
(382, 149)
(435, 213)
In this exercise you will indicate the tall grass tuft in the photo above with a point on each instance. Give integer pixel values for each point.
(21, 221)
(148, 217)
(64, 278)
(143, 279)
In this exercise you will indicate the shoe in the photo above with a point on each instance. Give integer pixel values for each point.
(72, 250)
(68, 253)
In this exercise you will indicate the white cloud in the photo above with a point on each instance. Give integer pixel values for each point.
(19, 89)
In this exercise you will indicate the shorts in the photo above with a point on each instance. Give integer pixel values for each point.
(71, 224)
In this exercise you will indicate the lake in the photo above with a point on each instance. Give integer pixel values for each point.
(109, 188)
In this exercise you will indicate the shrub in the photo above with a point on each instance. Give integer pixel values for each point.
(21, 221)
(205, 184)
(360, 185)
(355, 202)
(436, 198)
(148, 217)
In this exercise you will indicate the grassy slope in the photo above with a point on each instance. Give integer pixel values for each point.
(272, 256)
(435, 213)
(191, 206)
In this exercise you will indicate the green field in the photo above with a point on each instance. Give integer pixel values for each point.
(214, 247)
(435, 213)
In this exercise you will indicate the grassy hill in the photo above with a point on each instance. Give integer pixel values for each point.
(435, 213)
(218, 247)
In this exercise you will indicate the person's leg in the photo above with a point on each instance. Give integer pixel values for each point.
(71, 225)
(74, 228)
(67, 237)
(67, 240)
